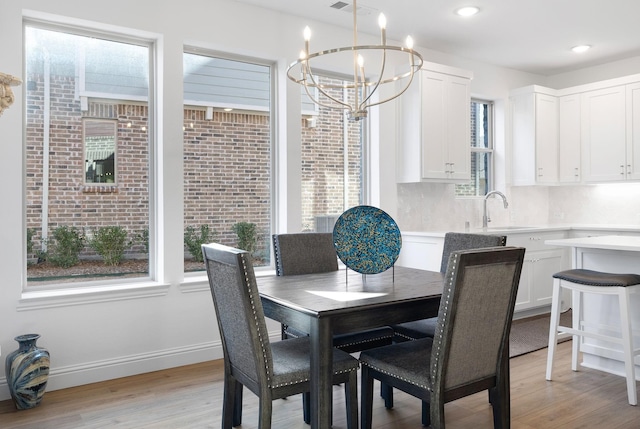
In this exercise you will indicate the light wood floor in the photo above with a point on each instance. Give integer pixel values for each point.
(190, 397)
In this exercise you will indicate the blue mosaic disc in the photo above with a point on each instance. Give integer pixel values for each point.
(367, 239)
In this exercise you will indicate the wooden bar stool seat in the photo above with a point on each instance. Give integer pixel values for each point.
(581, 281)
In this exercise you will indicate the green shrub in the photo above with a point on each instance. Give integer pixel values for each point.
(110, 242)
(247, 236)
(64, 246)
(194, 241)
(142, 237)
(30, 233)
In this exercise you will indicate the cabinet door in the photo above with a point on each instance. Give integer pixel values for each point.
(633, 131)
(546, 138)
(446, 151)
(569, 139)
(546, 263)
(434, 128)
(458, 129)
(603, 134)
(524, 299)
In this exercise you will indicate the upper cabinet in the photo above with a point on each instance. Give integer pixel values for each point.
(534, 119)
(569, 149)
(633, 131)
(585, 134)
(604, 155)
(434, 127)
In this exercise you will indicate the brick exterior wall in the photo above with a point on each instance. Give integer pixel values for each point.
(323, 166)
(227, 168)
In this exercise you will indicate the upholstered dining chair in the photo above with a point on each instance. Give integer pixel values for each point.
(453, 241)
(469, 352)
(270, 370)
(314, 252)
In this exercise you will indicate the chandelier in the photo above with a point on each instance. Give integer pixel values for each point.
(356, 95)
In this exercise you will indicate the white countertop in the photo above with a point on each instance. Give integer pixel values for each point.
(511, 229)
(609, 242)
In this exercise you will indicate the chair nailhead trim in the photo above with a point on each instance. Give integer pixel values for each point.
(304, 380)
(353, 343)
(446, 296)
(255, 319)
(406, 380)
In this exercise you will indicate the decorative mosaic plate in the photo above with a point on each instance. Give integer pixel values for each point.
(367, 239)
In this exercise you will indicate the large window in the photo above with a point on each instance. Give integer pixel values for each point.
(331, 164)
(481, 139)
(87, 155)
(227, 156)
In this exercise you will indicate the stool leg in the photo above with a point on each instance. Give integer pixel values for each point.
(553, 325)
(627, 345)
(576, 323)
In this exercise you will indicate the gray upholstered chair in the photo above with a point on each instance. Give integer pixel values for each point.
(269, 370)
(314, 252)
(453, 241)
(470, 350)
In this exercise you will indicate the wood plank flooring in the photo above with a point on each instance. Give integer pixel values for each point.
(191, 397)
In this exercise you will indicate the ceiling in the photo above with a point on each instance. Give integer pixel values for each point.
(534, 36)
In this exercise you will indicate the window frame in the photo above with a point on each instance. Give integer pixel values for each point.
(77, 292)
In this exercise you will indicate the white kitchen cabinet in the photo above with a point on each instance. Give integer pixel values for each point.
(633, 131)
(569, 139)
(541, 262)
(603, 132)
(434, 127)
(534, 116)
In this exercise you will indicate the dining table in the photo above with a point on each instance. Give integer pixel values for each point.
(343, 301)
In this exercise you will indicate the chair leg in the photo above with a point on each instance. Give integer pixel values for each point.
(366, 400)
(306, 407)
(553, 326)
(266, 410)
(627, 345)
(237, 405)
(229, 404)
(351, 395)
(386, 392)
(426, 414)
(576, 323)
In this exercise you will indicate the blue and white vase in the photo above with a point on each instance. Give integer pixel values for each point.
(27, 371)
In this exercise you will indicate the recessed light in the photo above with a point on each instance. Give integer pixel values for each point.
(581, 48)
(467, 11)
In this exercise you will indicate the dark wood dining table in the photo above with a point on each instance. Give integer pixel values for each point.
(345, 301)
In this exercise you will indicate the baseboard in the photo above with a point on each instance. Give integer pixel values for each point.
(125, 366)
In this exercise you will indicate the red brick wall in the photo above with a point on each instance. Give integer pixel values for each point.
(227, 168)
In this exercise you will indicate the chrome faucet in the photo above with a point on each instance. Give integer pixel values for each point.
(485, 218)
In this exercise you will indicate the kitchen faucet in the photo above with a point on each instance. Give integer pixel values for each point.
(485, 218)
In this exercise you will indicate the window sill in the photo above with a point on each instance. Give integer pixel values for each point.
(38, 300)
(198, 282)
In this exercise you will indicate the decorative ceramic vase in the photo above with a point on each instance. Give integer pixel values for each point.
(27, 371)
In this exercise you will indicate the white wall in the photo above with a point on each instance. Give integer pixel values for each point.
(95, 336)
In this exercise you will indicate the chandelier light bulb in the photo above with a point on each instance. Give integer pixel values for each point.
(409, 42)
(360, 61)
(382, 21)
(306, 33)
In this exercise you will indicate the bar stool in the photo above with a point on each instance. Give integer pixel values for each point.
(582, 281)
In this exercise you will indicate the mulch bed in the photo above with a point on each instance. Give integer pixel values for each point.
(46, 272)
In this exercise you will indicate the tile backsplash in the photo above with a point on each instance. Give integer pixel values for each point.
(433, 206)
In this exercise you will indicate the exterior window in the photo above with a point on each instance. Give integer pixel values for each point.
(87, 156)
(100, 150)
(331, 165)
(227, 156)
(481, 151)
